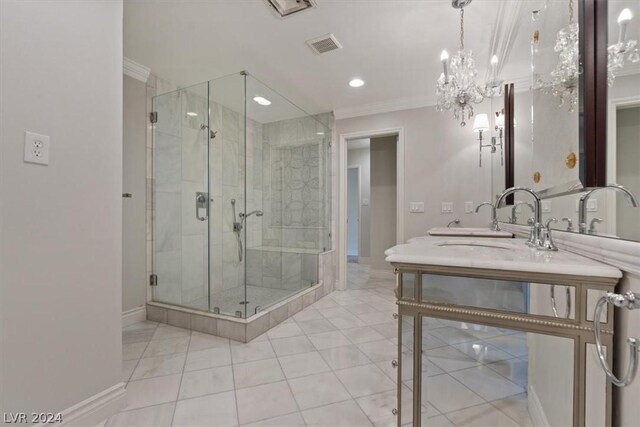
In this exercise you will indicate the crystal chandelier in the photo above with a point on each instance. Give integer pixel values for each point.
(456, 88)
(563, 80)
(624, 50)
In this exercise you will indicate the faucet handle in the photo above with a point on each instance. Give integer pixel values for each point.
(569, 223)
(547, 241)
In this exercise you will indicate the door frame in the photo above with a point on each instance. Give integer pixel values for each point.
(342, 192)
(612, 149)
(359, 196)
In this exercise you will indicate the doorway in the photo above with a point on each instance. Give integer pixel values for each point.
(371, 195)
(353, 214)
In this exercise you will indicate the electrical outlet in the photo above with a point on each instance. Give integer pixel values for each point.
(592, 205)
(468, 207)
(365, 202)
(546, 206)
(36, 148)
(447, 207)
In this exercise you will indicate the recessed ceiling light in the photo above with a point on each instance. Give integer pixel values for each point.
(262, 100)
(320, 133)
(356, 83)
(192, 114)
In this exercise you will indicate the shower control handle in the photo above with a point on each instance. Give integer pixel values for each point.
(202, 203)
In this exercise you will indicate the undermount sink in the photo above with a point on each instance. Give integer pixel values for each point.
(468, 232)
(475, 243)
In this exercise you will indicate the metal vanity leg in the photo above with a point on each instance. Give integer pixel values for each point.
(417, 369)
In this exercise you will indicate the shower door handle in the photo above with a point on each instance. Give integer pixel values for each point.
(202, 203)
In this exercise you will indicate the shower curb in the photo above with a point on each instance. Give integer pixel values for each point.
(237, 329)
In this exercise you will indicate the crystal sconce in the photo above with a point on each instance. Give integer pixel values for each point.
(622, 51)
(481, 125)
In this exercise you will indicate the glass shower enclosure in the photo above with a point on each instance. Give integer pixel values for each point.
(241, 196)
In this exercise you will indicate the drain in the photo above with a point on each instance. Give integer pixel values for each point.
(244, 302)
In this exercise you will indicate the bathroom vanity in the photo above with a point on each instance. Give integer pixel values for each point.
(510, 323)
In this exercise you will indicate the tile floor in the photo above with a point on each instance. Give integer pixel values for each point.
(329, 365)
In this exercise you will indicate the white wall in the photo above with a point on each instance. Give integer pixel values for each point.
(361, 157)
(441, 164)
(134, 258)
(60, 226)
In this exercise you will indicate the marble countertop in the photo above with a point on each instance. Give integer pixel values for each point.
(495, 254)
(467, 231)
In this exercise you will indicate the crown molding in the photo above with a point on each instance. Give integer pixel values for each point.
(383, 107)
(135, 70)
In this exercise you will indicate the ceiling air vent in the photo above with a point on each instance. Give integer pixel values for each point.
(286, 8)
(324, 44)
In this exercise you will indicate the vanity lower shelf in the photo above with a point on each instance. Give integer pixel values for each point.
(470, 337)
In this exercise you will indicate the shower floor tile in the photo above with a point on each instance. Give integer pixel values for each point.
(229, 301)
(273, 379)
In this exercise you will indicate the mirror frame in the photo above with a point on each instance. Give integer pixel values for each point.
(593, 107)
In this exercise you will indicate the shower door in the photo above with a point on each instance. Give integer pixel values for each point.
(181, 200)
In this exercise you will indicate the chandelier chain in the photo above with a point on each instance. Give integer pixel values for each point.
(461, 28)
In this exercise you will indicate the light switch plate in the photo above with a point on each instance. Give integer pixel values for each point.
(468, 207)
(546, 206)
(447, 207)
(36, 148)
(416, 207)
(592, 205)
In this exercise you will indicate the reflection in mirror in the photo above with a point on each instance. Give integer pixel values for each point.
(554, 98)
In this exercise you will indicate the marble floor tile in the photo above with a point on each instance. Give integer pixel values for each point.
(481, 416)
(159, 366)
(200, 341)
(318, 390)
(133, 351)
(265, 401)
(152, 391)
(512, 344)
(167, 346)
(482, 352)
(166, 331)
(362, 335)
(292, 345)
(128, 368)
(303, 364)
(447, 394)
(452, 335)
(328, 340)
(487, 383)
(344, 357)
(365, 380)
(316, 326)
(285, 330)
(209, 358)
(215, 409)
(450, 359)
(291, 420)
(343, 414)
(517, 408)
(259, 372)
(156, 416)
(206, 381)
(241, 352)
(515, 370)
(378, 351)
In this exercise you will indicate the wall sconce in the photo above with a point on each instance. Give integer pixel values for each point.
(480, 125)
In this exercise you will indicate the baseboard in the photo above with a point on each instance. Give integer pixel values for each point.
(536, 411)
(135, 315)
(95, 409)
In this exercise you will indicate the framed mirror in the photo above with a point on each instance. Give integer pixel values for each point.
(563, 152)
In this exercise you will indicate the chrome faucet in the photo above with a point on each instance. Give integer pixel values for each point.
(494, 215)
(455, 221)
(514, 217)
(582, 210)
(535, 238)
